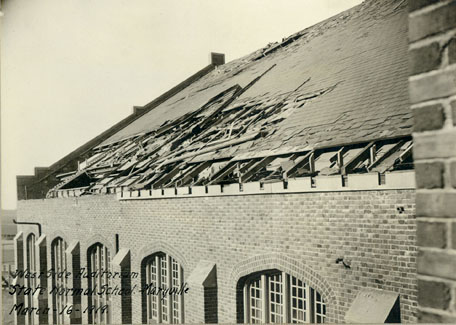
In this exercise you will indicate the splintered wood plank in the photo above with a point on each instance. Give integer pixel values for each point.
(223, 172)
(193, 172)
(255, 168)
(299, 162)
(384, 152)
(364, 154)
(167, 176)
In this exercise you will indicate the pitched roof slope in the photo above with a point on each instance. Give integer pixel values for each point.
(331, 99)
(341, 81)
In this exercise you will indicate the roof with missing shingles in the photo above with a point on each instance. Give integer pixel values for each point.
(344, 80)
(331, 99)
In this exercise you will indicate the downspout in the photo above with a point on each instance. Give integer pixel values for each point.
(29, 223)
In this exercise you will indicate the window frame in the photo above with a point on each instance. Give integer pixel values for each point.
(278, 303)
(99, 255)
(59, 264)
(161, 267)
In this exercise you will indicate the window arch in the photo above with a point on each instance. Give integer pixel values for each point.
(31, 267)
(274, 296)
(99, 261)
(160, 270)
(59, 264)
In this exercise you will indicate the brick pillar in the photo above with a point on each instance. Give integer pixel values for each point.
(41, 299)
(121, 304)
(19, 319)
(73, 265)
(202, 295)
(85, 285)
(432, 84)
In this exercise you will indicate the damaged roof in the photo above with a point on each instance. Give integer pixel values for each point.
(336, 89)
(359, 54)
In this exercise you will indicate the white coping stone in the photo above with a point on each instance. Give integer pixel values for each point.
(252, 187)
(170, 191)
(157, 193)
(299, 184)
(400, 179)
(333, 182)
(267, 188)
(362, 181)
(145, 193)
(277, 187)
(120, 256)
(214, 189)
(40, 240)
(231, 189)
(183, 190)
(368, 181)
(199, 190)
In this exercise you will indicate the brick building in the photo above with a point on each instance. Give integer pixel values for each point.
(432, 52)
(279, 187)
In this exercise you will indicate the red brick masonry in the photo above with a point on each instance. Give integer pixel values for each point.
(301, 234)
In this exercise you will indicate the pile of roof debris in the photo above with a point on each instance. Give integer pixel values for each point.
(214, 145)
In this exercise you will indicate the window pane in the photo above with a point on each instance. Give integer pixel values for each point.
(100, 264)
(320, 308)
(175, 285)
(304, 304)
(164, 285)
(299, 303)
(255, 301)
(275, 295)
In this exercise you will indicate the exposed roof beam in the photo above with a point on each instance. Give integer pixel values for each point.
(245, 177)
(192, 173)
(380, 159)
(364, 154)
(300, 162)
(167, 176)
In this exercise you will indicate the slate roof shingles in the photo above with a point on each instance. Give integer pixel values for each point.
(361, 52)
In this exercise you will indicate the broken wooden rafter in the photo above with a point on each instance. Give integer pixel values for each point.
(407, 153)
(338, 158)
(299, 163)
(364, 154)
(232, 142)
(187, 177)
(222, 173)
(385, 155)
(167, 176)
(248, 174)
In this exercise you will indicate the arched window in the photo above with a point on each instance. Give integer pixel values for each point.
(99, 262)
(163, 271)
(31, 267)
(59, 264)
(277, 297)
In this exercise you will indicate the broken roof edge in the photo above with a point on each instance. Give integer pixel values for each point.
(287, 150)
(273, 47)
(161, 99)
(95, 142)
(309, 33)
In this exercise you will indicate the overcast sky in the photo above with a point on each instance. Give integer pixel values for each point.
(72, 68)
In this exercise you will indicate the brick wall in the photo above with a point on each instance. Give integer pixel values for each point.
(432, 36)
(301, 234)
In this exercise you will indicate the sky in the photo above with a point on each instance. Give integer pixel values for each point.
(70, 69)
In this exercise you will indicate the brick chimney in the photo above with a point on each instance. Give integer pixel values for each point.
(217, 58)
